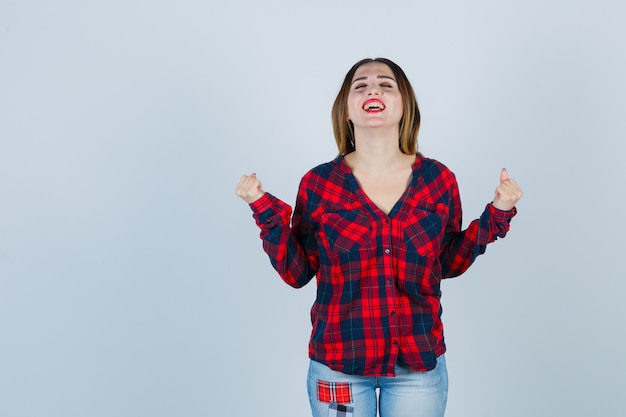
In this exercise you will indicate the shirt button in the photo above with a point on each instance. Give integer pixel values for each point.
(387, 251)
(389, 282)
(393, 313)
(395, 343)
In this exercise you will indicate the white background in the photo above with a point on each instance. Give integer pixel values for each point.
(132, 279)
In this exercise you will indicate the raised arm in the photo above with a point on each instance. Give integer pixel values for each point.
(292, 250)
(460, 248)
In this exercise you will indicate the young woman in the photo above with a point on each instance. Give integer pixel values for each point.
(379, 227)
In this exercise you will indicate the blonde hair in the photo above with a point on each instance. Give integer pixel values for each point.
(409, 123)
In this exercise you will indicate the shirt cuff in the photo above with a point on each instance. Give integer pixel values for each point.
(501, 214)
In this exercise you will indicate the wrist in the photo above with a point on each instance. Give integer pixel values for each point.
(251, 200)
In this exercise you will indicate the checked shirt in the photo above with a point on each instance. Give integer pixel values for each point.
(378, 275)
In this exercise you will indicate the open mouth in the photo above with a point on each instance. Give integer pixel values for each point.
(373, 106)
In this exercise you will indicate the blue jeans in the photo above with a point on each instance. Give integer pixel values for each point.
(408, 394)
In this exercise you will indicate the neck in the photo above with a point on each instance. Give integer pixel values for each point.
(377, 151)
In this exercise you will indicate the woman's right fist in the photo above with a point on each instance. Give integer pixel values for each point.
(249, 189)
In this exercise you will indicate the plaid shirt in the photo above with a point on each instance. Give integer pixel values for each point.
(378, 275)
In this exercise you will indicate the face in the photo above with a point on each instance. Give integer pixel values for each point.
(374, 99)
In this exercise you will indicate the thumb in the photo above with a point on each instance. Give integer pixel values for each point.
(504, 175)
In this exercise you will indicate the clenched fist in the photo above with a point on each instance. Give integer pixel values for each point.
(508, 193)
(249, 188)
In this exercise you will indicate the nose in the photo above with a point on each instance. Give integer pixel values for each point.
(374, 91)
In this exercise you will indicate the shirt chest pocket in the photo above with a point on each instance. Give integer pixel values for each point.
(423, 231)
(346, 231)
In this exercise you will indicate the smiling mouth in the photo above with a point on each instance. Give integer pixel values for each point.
(374, 106)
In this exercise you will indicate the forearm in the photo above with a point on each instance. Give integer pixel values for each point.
(286, 253)
(461, 249)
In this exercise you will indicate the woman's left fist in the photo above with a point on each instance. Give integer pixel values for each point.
(508, 193)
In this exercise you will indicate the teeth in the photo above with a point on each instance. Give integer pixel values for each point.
(374, 105)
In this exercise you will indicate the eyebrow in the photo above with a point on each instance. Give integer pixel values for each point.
(378, 76)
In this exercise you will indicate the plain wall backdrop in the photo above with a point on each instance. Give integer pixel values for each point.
(132, 279)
